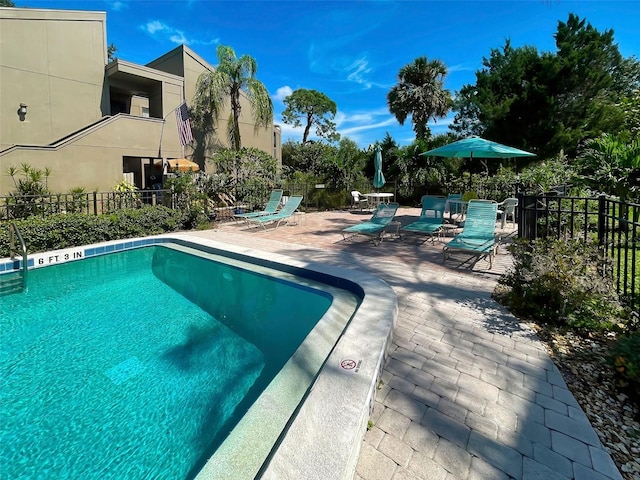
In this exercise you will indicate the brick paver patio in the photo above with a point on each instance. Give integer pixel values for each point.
(468, 391)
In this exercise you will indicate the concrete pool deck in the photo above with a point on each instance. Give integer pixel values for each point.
(468, 392)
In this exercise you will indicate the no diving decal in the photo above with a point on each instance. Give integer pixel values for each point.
(350, 365)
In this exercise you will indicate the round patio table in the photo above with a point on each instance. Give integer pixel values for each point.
(455, 206)
(379, 197)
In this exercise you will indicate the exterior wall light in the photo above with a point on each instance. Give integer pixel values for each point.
(23, 109)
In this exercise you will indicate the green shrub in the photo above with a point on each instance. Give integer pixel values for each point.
(325, 199)
(625, 359)
(70, 230)
(559, 282)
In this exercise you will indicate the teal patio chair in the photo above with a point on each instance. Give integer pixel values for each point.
(431, 217)
(478, 234)
(376, 225)
(283, 215)
(271, 207)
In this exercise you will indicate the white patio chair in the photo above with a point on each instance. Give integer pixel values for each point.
(359, 199)
(507, 208)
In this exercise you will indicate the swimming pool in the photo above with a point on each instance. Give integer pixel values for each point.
(271, 423)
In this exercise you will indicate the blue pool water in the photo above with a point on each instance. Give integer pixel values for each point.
(137, 364)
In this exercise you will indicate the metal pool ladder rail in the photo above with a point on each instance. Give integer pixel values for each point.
(13, 233)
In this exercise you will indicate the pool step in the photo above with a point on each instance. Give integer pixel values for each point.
(10, 284)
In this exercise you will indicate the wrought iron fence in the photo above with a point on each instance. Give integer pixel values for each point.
(316, 197)
(14, 207)
(615, 225)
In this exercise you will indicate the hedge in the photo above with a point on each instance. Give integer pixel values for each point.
(75, 229)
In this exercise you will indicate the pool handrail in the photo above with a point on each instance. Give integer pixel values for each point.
(13, 232)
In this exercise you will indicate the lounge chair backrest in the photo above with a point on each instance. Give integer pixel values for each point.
(433, 207)
(274, 201)
(384, 213)
(481, 218)
(276, 196)
(291, 206)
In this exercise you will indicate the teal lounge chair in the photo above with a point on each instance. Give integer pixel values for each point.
(431, 217)
(270, 208)
(277, 218)
(478, 234)
(375, 226)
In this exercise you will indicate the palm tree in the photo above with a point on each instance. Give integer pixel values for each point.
(232, 78)
(420, 93)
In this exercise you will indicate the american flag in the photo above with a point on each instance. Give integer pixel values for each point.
(184, 125)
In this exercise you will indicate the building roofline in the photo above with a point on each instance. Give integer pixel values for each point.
(45, 13)
(119, 65)
(181, 49)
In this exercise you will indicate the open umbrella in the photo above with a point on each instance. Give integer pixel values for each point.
(477, 147)
(182, 165)
(378, 177)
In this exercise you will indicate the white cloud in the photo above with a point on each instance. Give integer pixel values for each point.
(179, 38)
(283, 92)
(329, 58)
(358, 71)
(361, 117)
(118, 6)
(290, 132)
(460, 68)
(368, 126)
(156, 28)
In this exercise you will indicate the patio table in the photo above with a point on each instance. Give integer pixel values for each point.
(379, 197)
(457, 206)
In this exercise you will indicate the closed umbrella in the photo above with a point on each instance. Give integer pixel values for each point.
(477, 147)
(378, 177)
(182, 165)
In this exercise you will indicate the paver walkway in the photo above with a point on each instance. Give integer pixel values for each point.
(468, 391)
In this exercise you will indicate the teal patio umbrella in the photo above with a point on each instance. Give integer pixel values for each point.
(378, 177)
(476, 147)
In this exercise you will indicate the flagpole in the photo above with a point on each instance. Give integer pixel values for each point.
(164, 121)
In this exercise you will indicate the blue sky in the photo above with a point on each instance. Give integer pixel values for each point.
(351, 51)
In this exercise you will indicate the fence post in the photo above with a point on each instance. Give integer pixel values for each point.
(520, 214)
(95, 203)
(602, 221)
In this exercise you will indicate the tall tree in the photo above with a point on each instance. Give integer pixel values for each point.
(231, 79)
(512, 100)
(420, 93)
(586, 98)
(311, 108)
(550, 102)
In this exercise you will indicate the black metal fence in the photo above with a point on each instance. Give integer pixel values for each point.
(615, 225)
(93, 203)
(316, 197)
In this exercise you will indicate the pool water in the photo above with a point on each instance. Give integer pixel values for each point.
(137, 364)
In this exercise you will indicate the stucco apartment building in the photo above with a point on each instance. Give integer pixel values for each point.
(64, 107)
